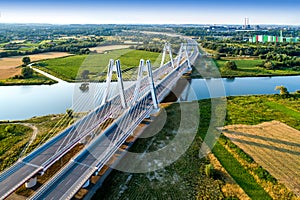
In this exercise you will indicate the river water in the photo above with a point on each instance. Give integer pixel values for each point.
(22, 102)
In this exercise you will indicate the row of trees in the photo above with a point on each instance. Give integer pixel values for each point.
(233, 49)
(74, 49)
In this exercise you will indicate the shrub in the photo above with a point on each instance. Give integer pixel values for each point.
(209, 170)
(230, 65)
(10, 128)
(265, 175)
(27, 72)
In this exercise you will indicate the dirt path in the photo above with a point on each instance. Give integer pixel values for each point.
(32, 138)
(47, 75)
(34, 133)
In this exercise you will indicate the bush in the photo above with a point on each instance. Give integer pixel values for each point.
(27, 72)
(283, 90)
(209, 170)
(265, 175)
(230, 65)
(10, 129)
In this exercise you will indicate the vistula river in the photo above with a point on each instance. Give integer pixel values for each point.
(22, 102)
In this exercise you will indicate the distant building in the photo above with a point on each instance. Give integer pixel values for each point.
(269, 38)
(247, 24)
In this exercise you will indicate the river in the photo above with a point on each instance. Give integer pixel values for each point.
(22, 102)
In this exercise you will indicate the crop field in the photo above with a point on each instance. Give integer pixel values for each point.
(102, 49)
(8, 65)
(70, 68)
(273, 145)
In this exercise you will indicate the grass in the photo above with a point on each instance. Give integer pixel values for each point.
(252, 110)
(183, 179)
(11, 145)
(70, 68)
(37, 79)
(246, 68)
(11, 142)
(189, 168)
(239, 173)
(283, 109)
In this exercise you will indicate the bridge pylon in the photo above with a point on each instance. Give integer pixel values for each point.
(145, 68)
(183, 52)
(114, 68)
(167, 49)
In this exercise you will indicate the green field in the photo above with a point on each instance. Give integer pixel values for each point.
(208, 67)
(248, 68)
(37, 79)
(253, 180)
(70, 68)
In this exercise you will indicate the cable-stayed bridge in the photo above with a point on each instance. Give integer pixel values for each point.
(128, 108)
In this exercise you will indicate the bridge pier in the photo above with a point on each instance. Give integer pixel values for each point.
(31, 182)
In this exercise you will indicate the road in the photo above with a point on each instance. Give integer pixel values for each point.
(46, 74)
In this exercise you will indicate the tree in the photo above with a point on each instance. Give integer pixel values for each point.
(283, 90)
(27, 72)
(26, 60)
(230, 65)
(85, 74)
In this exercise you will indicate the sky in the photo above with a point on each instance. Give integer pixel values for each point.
(150, 12)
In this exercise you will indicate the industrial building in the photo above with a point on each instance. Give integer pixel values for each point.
(268, 38)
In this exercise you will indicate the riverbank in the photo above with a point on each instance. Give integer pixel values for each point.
(35, 80)
(207, 67)
(186, 177)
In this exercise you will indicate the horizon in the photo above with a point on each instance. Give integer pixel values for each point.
(232, 12)
(159, 24)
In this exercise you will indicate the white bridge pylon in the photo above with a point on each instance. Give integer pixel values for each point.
(167, 49)
(183, 52)
(115, 66)
(145, 68)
